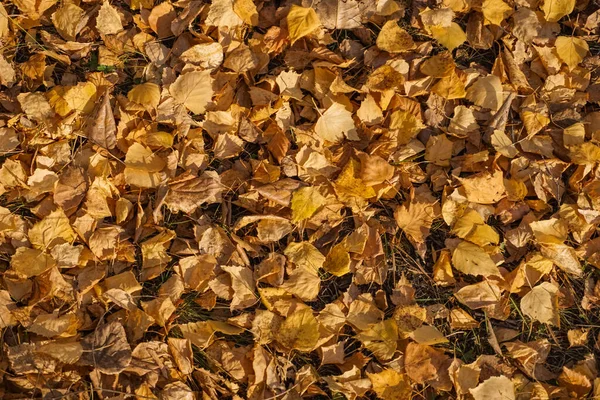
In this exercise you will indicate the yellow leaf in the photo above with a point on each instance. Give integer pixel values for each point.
(556, 9)
(438, 66)
(301, 22)
(82, 97)
(486, 92)
(451, 36)
(407, 124)
(52, 230)
(390, 385)
(472, 227)
(242, 283)
(496, 387)
(442, 270)
(394, 39)
(571, 50)
(303, 283)
(350, 188)
(381, 339)
(67, 20)
(246, 10)
(495, 11)
(108, 21)
(428, 335)
(471, 259)
(534, 122)
(305, 255)
(142, 167)
(146, 94)
(541, 304)
(479, 295)
(222, 13)
(484, 188)
(439, 150)
(335, 124)
(299, 331)
(451, 87)
(35, 106)
(337, 261)
(193, 90)
(3, 22)
(31, 262)
(305, 202)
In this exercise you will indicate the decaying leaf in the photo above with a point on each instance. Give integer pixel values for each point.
(351, 199)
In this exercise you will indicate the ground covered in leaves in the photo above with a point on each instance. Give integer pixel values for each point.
(328, 199)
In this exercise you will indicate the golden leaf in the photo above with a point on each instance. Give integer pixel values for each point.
(495, 11)
(394, 39)
(108, 21)
(556, 9)
(305, 202)
(451, 37)
(301, 22)
(146, 94)
(299, 331)
(471, 259)
(571, 50)
(193, 90)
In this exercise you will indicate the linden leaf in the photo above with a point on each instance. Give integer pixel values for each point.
(556, 9)
(299, 331)
(301, 22)
(67, 20)
(246, 10)
(108, 21)
(142, 167)
(107, 349)
(451, 37)
(31, 262)
(103, 129)
(381, 339)
(471, 259)
(394, 39)
(335, 124)
(305, 255)
(337, 261)
(495, 11)
(390, 385)
(484, 188)
(571, 50)
(305, 202)
(54, 229)
(193, 90)
(541, 304)
(188, 192)
(146, 94)
(486, 92)
(496, 387)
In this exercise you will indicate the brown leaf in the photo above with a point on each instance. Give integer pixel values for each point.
(102, 130)
(107, 349)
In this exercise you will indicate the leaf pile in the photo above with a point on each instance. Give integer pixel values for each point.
(328, 199)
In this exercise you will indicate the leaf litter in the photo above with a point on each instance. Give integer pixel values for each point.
(248, 199)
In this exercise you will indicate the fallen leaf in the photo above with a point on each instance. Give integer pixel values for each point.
(301, 22)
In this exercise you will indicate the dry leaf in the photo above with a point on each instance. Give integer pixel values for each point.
(108, 21)
(541, 304)
(193, 90)
(301, 22)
